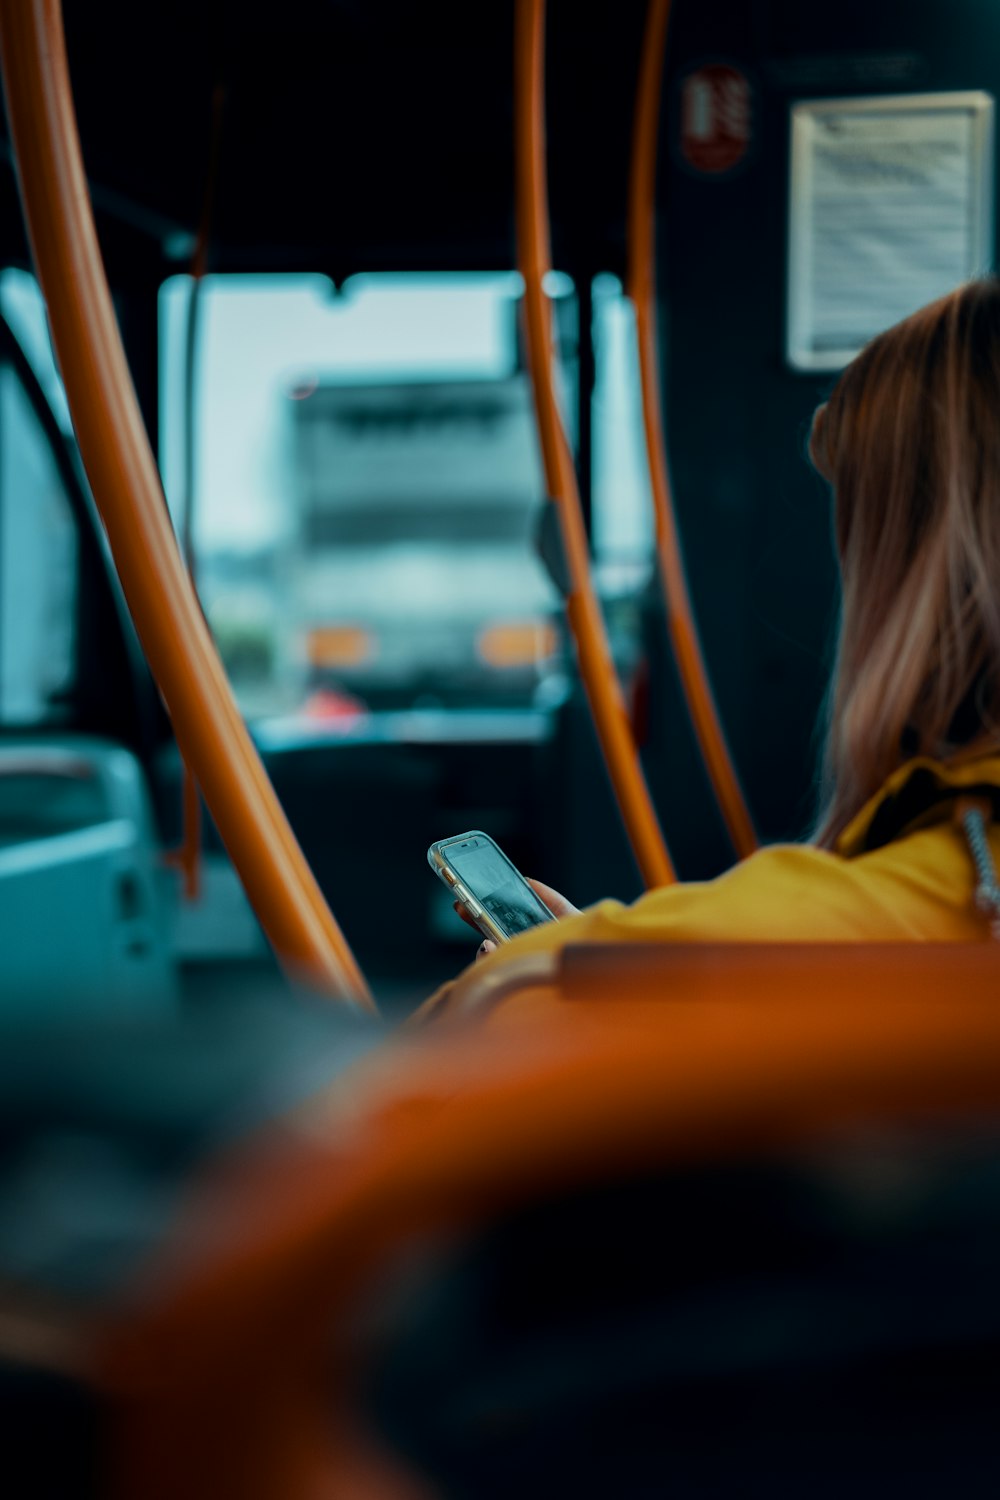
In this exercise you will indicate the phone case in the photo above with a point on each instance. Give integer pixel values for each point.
(437, 859)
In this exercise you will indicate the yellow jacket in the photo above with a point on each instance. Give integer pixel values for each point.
(902, 872)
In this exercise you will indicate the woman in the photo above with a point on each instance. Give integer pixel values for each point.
(910, 444)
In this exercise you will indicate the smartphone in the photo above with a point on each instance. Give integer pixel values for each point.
(496, 894)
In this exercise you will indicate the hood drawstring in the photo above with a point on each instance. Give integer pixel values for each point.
(971, 814)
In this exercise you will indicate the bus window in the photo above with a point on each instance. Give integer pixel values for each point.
(38, 569)
(366, 488)
(23, 306)
(622, 509)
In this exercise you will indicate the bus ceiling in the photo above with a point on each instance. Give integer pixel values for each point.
(357, 137)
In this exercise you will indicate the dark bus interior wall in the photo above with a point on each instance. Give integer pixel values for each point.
(755, 520)
(379, 138)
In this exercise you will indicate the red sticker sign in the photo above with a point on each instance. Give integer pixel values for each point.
(715, 119)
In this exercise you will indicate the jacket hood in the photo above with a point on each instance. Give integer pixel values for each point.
(919, 793)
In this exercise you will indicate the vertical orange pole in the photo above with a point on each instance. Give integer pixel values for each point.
(210, 732)
(188, 857)
(583, 610)
(642, 290)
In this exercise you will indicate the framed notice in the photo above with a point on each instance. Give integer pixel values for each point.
(891, 206)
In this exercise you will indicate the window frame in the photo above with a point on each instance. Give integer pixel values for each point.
(110, 692)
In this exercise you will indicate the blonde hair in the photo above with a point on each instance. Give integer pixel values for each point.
(910, 441)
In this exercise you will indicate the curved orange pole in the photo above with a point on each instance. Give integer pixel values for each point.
(583, 611)
(122, 472)
(642, 290)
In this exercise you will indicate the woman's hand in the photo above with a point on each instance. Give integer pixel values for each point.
(557, 905)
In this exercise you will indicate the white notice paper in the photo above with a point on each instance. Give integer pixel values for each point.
(891, 206)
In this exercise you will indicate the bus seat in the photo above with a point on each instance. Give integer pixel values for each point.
(84, 908)
(638, 1249)
(594, 978)
(803, 1323)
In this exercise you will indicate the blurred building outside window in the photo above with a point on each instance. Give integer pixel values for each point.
(396, 568)
(367, 484)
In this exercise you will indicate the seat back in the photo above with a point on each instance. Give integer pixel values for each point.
(608, 1244)
(84, 907)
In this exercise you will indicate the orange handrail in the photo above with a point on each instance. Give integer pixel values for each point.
(113, 442)
(186, 857)
(642, 291)
(583, 611)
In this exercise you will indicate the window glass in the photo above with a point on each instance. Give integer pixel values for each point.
(622, 507)
(23, 306)
(622, 504)
(366, 487)
(38, 568)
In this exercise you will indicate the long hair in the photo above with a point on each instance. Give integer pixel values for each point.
(910, 441)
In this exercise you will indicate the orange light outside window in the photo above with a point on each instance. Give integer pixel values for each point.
(339, 646)
(517, 643)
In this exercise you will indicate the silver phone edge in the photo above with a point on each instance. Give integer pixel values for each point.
(483, 921)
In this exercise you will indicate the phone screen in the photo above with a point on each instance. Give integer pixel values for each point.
(496, 885)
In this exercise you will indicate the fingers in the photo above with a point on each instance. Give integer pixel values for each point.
(464, 913)
(556, 903)
(487, 946)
